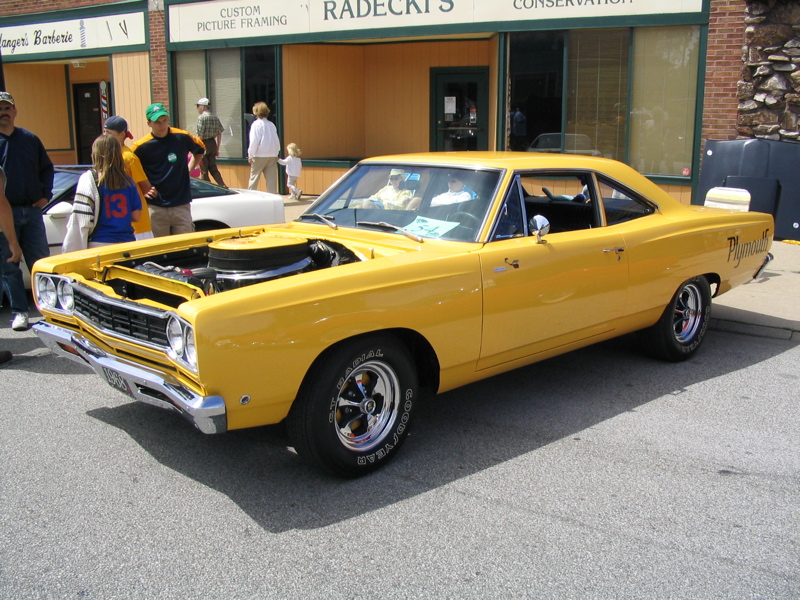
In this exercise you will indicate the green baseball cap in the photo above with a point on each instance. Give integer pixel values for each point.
(156, 111)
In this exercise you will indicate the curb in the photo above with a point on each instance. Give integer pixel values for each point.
(765, 331)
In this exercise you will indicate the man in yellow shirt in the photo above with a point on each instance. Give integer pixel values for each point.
(117, 127)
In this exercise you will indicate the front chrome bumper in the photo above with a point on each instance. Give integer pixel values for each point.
(207, 413)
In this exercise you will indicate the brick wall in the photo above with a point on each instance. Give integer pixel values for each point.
(723, 69)
(10, 8)
(159, 81)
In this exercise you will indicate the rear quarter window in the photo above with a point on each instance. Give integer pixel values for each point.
(621, 205)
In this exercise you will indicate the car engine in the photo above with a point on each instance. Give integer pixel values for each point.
(230, 264)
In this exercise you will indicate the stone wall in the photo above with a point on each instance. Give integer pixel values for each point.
(769, 88)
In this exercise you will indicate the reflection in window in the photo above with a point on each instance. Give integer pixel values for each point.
(536, 81)
(260, 83)
(637, 107)
(597, 89)
(511, 221)
(190, 86)
(664, 99)
(226, 98)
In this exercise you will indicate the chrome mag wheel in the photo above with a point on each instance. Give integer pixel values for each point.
(367, 406)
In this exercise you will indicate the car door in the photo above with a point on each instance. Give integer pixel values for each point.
(57, 212)
(566, 288)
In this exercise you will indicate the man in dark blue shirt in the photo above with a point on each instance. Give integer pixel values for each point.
(163, 154)
(29, 172)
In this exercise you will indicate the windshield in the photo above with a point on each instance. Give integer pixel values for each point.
(420, 201)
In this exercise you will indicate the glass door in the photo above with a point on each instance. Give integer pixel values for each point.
(460, 109)
(88, 122)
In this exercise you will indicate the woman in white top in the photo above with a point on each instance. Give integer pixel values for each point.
(262, 153)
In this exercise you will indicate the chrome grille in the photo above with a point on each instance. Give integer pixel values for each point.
(123, 318)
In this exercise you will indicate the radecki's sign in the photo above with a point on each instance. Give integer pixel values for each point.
(94, 33)
(227, 19)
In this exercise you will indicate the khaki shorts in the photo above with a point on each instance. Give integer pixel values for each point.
(172, 220)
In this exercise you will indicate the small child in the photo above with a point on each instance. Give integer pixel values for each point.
(293, 166)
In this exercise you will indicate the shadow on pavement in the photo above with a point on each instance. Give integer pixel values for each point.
(455, 435)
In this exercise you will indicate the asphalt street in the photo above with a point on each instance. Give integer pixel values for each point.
(598, 474)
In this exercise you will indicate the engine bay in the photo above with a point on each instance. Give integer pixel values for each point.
(229, 264)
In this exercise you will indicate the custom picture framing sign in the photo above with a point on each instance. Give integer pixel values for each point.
(231, 19)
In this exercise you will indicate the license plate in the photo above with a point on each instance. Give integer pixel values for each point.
(116, 381)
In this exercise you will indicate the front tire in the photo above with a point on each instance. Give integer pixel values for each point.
(354, 409)
(682, 327)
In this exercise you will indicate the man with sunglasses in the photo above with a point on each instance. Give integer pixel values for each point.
(455, 192)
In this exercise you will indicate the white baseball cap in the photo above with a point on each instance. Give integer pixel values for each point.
(203, 102)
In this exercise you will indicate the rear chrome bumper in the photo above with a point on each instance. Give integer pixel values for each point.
(207, 413)
(767, 259)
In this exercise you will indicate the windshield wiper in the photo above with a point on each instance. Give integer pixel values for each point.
(385, 225)
(327, 220)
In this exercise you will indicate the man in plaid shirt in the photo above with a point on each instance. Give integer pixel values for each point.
(209, 129)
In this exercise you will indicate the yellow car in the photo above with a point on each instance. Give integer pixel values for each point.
(424, 271)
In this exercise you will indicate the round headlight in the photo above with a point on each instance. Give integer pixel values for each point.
(66, 297)
(175, 335)
(191, 348)
(46, 291)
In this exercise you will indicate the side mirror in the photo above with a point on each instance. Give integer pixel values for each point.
(539, 226)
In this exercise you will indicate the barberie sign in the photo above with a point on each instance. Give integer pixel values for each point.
(39, 38)
(226, 19)
(78, 34)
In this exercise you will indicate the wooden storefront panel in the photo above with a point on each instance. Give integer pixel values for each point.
(131, 90)
(682, 193)
(397, 94)
(323, 93)
(42, 98)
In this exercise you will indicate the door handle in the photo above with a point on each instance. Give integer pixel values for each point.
(617, 250)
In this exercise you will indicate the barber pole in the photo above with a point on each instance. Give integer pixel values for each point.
(103, 102)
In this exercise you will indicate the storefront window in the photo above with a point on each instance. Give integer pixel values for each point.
(536, 81)
(640, 108)
(217, 74)
(597, 90)
(190, 85)
(226, 98)
(663, 103)
(260, 82)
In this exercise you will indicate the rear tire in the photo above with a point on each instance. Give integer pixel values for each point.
(682, 327)
(354, 409)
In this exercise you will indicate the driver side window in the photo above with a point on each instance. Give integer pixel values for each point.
(565, 198)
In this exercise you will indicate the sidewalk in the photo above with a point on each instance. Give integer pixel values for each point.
(766, 307)
(294, 208)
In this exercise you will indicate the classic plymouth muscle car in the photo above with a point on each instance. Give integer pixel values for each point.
(426, 271)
